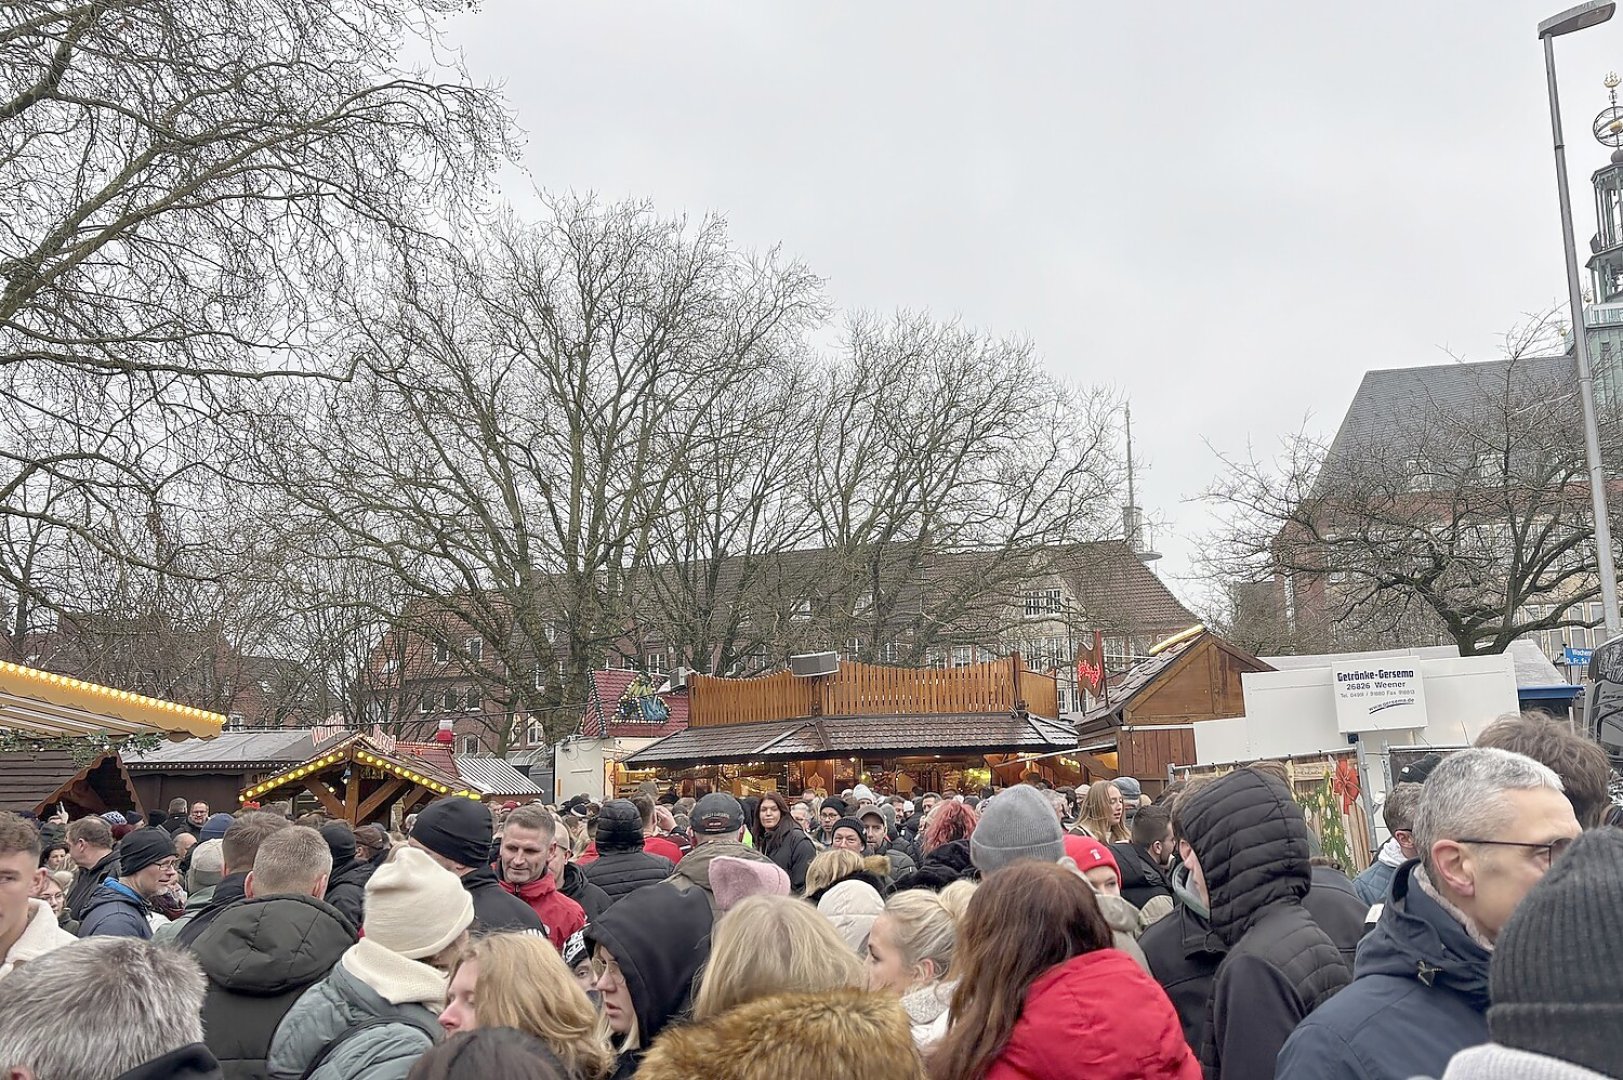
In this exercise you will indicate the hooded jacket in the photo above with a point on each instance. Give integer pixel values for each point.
(1141, 880)
(40, 935)
(940, 868)
(1419, 996)
(495, 909)
(192, 1062)
(579, 888)
(1278, 965)
(792, 850)
(346, 888)
(561, 915)
(116, 911)
(1336, 907)
(259, 957)
(660, 937)
(230, 890)
(86, 882)
(622, 866)
(1097, 1016)
(839, 1033)
(693, 872)
(1376, 881)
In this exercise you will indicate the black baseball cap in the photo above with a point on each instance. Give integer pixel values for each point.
(1417, 770)
(717, 813)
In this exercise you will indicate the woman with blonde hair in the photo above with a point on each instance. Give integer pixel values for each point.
(519, 981)
(772, 945)
(910, 950)
(830, 866)
(1104, 816)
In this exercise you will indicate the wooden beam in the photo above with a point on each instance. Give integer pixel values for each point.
(325, 797)
(352, 795)
(412, 798)
(1094, 765)
(376, 800)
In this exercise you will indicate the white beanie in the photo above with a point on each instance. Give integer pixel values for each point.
(852, 906)
(414, 906)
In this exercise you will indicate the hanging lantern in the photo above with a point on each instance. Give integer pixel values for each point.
(444, 735)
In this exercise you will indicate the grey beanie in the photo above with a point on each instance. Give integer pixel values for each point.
(1017, 824)
(1554, 976)
(1129, 788)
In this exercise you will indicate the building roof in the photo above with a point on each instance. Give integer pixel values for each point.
(493, 776)
(29, 781)
(380, 754)
(48, 705)
(603, 702)
(1392, 403)
(840, 736)
(1142, 676)
(227, 752)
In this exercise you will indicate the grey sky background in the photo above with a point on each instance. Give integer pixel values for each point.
(1228, 212)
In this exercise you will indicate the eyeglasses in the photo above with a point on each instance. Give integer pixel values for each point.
(168, 864)
(1551, 851)
(602, 967)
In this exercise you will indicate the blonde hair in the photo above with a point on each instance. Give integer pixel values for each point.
(524, 984)
(772, 945)
(1096, 816)
(830, 866)
(924, 924)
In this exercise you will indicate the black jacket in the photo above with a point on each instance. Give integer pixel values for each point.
(1419, 996)
(86, 882)
(226, 893)
(346, 889)
(192, 1062)
(792, 850)
(175, 824)
(579, 888)
(660, 937)
(496, 909)
(1336, 907)
(1141, 880)
(620, 872)
(259, 956)
(1252, 842)
(940, 868)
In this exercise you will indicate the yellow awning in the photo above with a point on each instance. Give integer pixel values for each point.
(48, 705)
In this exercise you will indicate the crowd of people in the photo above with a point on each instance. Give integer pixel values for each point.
(1035, 932)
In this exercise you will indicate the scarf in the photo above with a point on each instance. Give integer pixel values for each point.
(1470, 924)
(40, 935)
(395, 978)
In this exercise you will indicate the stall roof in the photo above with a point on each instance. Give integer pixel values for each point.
(48, 705)
(229, 751)
(493, 776)
(33, 781)
(841, 736)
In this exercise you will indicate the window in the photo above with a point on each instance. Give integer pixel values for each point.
(888, 652)
(475, 699)
(390, 667)
(470, 744)
(540, 678)
(1042, 602)
(853, 648)
(442, 651)
(535, 733)
(426, 704)
(476, 649)
(802, 609)
(656, 663)
(1420, 474)
(963, 655)
(1115, 653)
(236, 720)
(452, 700)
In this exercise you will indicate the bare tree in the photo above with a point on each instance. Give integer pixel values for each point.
(1463, 516)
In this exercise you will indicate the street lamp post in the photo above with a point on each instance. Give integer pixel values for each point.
(1582, 17)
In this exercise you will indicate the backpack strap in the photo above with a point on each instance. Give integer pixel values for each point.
(344, 1036)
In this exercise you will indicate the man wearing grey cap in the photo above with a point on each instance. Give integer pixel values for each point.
(717, 824)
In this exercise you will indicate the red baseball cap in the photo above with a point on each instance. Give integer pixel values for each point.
(1088, 853)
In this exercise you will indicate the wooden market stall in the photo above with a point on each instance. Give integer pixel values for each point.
(360, 779)
(61, 737)
(902, 729)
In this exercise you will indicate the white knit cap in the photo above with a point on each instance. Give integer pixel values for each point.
(414, 906)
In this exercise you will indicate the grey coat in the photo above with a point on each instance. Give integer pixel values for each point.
(333, 1006)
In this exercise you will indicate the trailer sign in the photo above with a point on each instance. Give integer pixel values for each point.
(1380, 695)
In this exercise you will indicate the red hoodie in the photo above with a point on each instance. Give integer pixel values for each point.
(1097, 1016)
(659, 845)
(562, 916)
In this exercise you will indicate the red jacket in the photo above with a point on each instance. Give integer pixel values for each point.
(1097, 1016)
(562, 916)
(659, 845)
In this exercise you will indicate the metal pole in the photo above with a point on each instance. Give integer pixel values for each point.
(1586, 378)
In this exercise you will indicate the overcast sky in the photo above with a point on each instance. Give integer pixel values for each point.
(1228, 212)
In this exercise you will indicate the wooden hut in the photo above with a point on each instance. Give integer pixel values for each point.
(360, 779)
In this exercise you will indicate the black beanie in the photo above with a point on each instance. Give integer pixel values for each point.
(457, 829)
(833, 802)
(1555, 965)
(155, 818)
(340, 841)
(144, 848)
(850, 823)
(619, 827)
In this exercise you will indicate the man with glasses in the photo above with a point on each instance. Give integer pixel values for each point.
(122, 906)
(1488, 826)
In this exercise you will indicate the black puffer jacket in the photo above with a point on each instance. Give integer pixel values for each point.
(1141, 880)
(622, 866)
(940, 868)
(792, 850)
(660, 938)
(259, 956)
(86, 882)
(346, 889)
(494, 908)
(575, 885)
(1252, 843)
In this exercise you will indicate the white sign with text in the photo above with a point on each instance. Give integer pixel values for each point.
(1379, 695)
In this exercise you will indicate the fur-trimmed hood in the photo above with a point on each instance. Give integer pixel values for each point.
(850, 1034)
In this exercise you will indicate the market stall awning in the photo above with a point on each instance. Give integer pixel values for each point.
(359, 777)
(38, 782)
(807, 738)
(47, 705)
